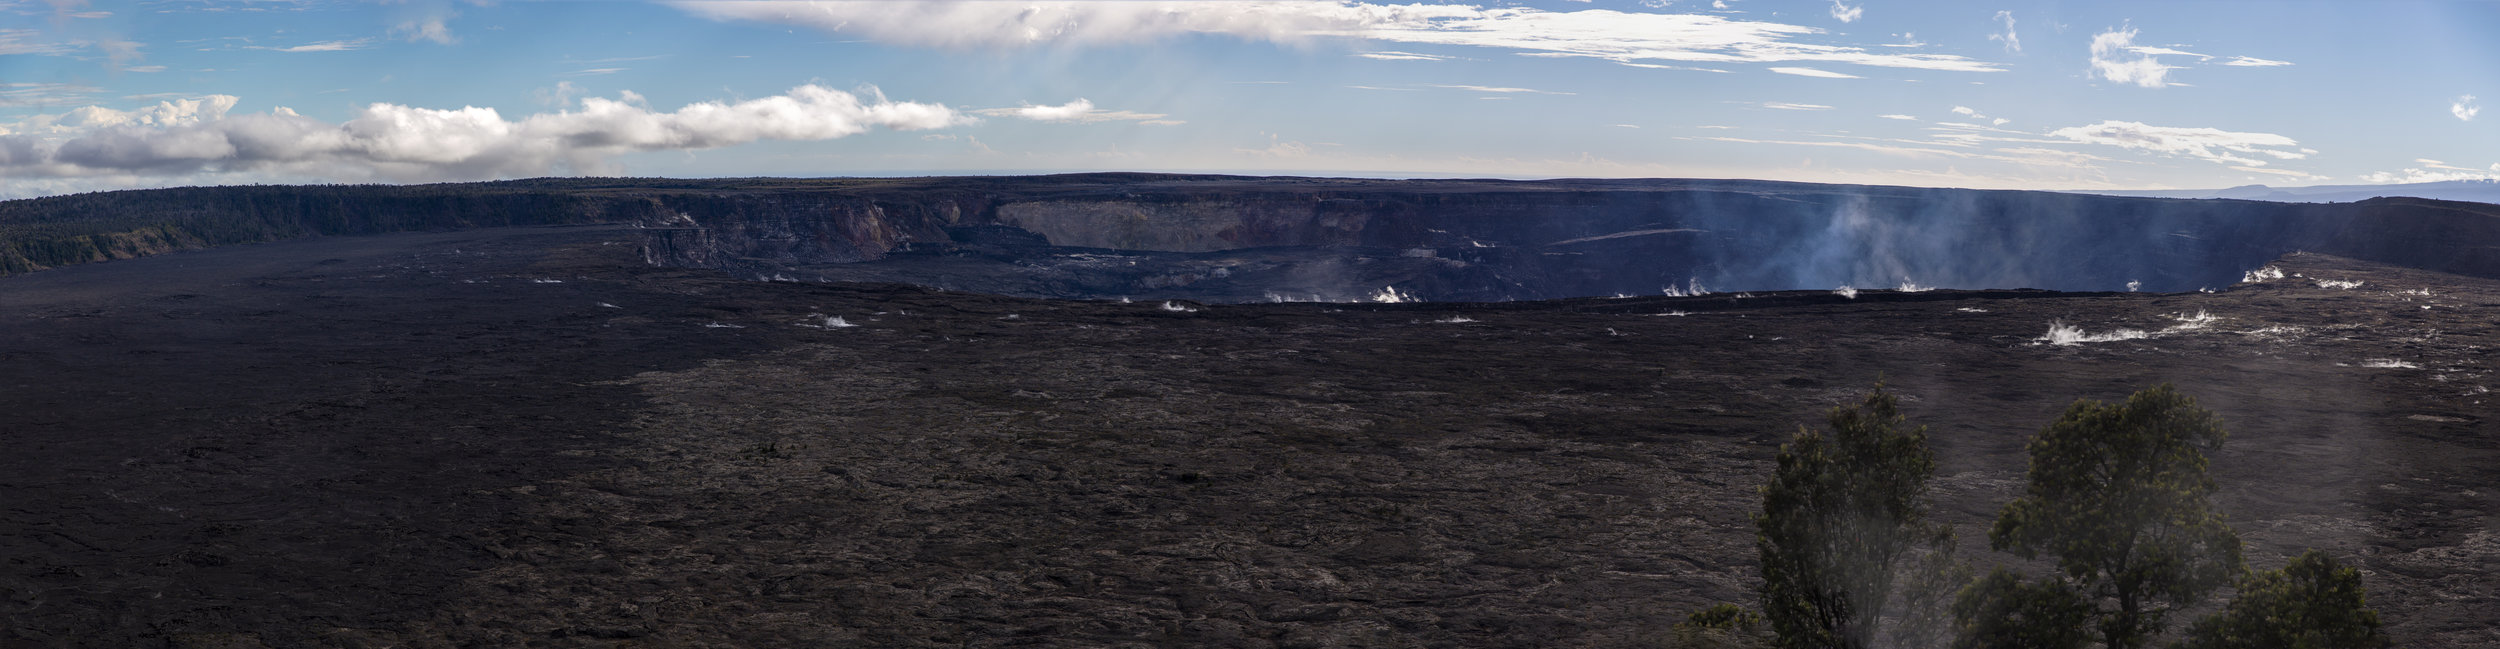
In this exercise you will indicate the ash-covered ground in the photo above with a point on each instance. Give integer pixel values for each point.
(521, 438)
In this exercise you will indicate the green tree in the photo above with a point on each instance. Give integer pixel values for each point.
(2312, 603)
(1839, 516)
(2117, 493)
(2001, 611)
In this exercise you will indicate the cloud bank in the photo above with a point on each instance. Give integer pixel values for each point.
(2209, 144)
(1595, 33)
(2432, 171)
(404, 143)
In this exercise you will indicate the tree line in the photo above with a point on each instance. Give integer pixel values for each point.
(2117, 499)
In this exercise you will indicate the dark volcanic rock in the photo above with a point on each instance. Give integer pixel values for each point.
(529, 438)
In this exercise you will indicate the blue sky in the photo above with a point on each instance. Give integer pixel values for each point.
(2035, 95)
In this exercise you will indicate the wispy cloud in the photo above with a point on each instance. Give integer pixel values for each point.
(28, 41)
(2023, 156)
(2013, 42)
(1503, 90)
(26, 93)
(1782, 105)
(396, 142)
(323, 46)
(2464, 108)
(2254, 62)
(435, 29)
(1975, 115)
(1390, 55)
(2149, 50)
(1812, 72)
(1593, 33)
(1658, 66)
(2208, 144)
(1905, 118)
(1845, 13)
(1969, 134)
(1079, 111)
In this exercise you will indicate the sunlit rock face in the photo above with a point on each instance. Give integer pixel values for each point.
(1238, 239)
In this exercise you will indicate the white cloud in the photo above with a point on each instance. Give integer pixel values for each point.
(1391, 55)
(1655, 66)
(1070, 111)
(1013, 23)
(2111, 60)
(1595, 33)
(1975, 115)
(395, 142)
(2212, 145)
(2013, 42)
(173, 112)
(2254, 62)
(323, 46)
(1811, 72)
(2148, 50)
(1079, 111)
(1782, 105)
(2464, 108)
(1905, 118)
(1845, 13)
(1503, 90)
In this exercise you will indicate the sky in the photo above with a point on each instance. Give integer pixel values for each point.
(2016, 94)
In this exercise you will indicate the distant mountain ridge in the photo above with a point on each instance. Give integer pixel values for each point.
(2477, 191)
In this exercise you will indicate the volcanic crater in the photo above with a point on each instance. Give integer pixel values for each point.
(537, 436)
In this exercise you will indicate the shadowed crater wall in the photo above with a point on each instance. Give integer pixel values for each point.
(1238, 239)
